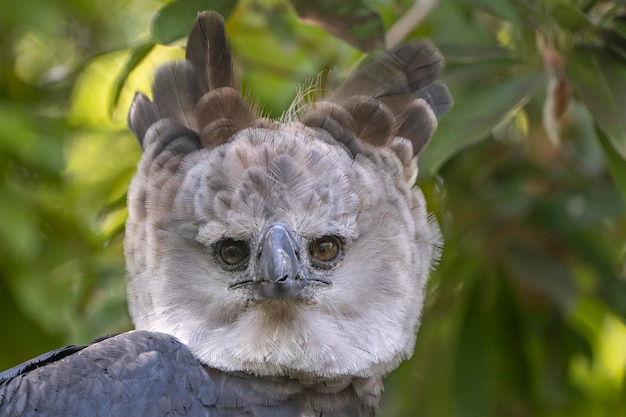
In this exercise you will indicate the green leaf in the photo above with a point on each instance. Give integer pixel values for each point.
(619, 27)
(18, 232)
(569, 17)
(600, 80)
(590, 207)
(28, 338)
(546, 274)
(474, 361)
(474, 115)
(354, 21)
(136, 57)
(617, 164)
(174, 20)
(39, 152)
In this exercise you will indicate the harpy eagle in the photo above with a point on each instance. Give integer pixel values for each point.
(275, 268)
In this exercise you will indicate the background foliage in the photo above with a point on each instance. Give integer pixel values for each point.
(526, 313)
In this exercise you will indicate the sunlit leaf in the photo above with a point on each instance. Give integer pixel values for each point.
(600, 80)
(174, 19)
(474, 115)
(354, 21)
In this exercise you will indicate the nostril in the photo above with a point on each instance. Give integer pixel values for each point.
(278, 257)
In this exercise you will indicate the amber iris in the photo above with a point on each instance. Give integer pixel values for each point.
(233, 252)
(325, 249)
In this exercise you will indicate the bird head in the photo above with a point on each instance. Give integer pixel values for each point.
(291, 247)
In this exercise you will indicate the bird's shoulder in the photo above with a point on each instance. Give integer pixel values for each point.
(144, 373)
(134, 373)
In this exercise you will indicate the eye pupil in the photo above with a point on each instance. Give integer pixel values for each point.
(233, 252)
(325, 248)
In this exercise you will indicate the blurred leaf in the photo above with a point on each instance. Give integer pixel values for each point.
(39, 14)
(354, 21)
(137, 55)
(615, 42)
(472, 54)
(21, 142)
(619, 26)
(612, 290)
(174, 20)
(505, 9)
(545, 274)
(474, 360)
(473, 116)
(470, 64)
(608, 286)
(18, 236)
(24, 338)
(616, 162)
(570, 210)
(569, 16)
(600, 80)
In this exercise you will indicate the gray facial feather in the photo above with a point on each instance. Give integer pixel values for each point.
(344, 167)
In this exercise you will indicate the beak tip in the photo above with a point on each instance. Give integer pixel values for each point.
(284, 289)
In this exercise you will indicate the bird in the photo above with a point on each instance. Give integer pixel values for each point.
(275, 267)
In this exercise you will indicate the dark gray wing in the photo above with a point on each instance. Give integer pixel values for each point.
(38, 362)
(133, 374)
(143, 373)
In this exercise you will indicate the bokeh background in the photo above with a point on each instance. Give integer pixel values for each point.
(526, 313)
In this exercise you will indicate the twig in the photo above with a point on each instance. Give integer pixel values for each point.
(408, 22)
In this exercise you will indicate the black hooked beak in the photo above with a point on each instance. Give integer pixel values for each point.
(279, 266)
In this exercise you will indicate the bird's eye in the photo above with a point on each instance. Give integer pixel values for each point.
(233, 252)
(325, 249)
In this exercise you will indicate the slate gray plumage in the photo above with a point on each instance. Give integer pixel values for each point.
(275, 267)
(144, 373)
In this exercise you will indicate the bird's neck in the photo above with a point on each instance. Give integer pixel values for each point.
(305, 395)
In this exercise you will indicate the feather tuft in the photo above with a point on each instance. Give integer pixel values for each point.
(417, 124)
(395, 94)
(217, 132)
(224, 103)
(143, 113)
(176, 91)
(208, 51)
(374, 120)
